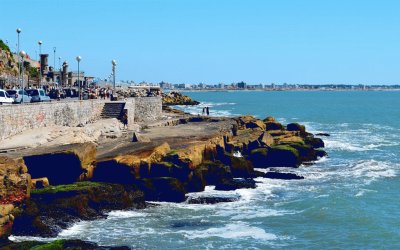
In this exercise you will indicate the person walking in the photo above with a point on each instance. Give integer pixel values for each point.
(208, 111)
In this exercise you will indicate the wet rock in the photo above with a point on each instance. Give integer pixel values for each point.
(233, 184)
(320, 153)
(162, 189)
(314, 142)
(240, 166)
(58, 244)
(322, 134)
(283, 176)
(54, 208)
(275, 156)
(210, 199)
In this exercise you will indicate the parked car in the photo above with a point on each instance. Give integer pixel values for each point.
(19, 95)
(5, 98)
(38, 95)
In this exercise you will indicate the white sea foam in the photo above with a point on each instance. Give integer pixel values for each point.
(125, 214)
(372, 170)
(232, 231)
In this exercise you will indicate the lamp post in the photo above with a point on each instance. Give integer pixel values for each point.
(40, 63)
(22, 54)
(59, 70)
(19, 59)
(54, 66)
(78, 59)
(114, 63)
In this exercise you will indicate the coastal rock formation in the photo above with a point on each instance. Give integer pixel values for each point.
(57, 245)
(177, 98)
(15, 184)
(65, 165)
(224, 155)
(54, 208)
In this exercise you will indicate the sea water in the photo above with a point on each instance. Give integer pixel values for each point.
(349, 200)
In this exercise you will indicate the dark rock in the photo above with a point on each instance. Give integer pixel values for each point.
(162, 189)
(320, 153)
(54, 208)
(306, 152)
(283, 176)
(233, 184)
(314, 142)
(275, 156)
(297, 127)
(112, 171)
(196, 181)
(259, 157)
(210, 200)
(214, 172)
(272, 125)
(322, 134)
(58, 244)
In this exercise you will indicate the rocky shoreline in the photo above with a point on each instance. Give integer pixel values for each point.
(161, 164)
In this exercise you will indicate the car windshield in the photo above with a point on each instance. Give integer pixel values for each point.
(11, 92)
(2, 94)
(41, 92)
(22, 91)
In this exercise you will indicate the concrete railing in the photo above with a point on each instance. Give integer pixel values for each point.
(15, 119)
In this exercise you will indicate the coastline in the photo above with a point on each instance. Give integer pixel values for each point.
(178, 156)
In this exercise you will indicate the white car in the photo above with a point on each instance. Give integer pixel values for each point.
(5, 98)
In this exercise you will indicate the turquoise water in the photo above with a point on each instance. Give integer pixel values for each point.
(349, 200)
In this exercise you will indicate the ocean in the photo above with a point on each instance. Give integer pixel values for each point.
(348, 200)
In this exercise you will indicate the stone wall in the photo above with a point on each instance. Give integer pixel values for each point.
(147, 108)
(15, 119)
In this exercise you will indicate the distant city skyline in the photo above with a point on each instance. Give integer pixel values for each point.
(224, 41)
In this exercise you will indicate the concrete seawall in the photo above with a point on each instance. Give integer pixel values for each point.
(15, 119)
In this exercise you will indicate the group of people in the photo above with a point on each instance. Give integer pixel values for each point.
(105, 93)
(206, 111)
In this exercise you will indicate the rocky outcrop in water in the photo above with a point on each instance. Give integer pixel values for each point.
(51, 209)
(177, 98)
(224, 157)
(57, 245)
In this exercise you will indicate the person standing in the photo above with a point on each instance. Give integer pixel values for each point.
(208, 111)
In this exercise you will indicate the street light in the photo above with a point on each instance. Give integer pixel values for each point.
(40, 63)
(19, 59)
(54, 66)
(22, 55)
(78, 59)
(114, 63)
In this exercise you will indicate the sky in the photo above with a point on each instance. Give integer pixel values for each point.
(215, 41)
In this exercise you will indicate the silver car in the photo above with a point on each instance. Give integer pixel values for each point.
(19, 95)
(38, 95)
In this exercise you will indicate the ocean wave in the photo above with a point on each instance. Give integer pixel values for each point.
(372, 170)
(236, 230)
(117, 214)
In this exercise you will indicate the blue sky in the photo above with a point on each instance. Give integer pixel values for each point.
(212, 41)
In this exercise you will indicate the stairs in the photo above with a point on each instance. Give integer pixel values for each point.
(113, 110)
